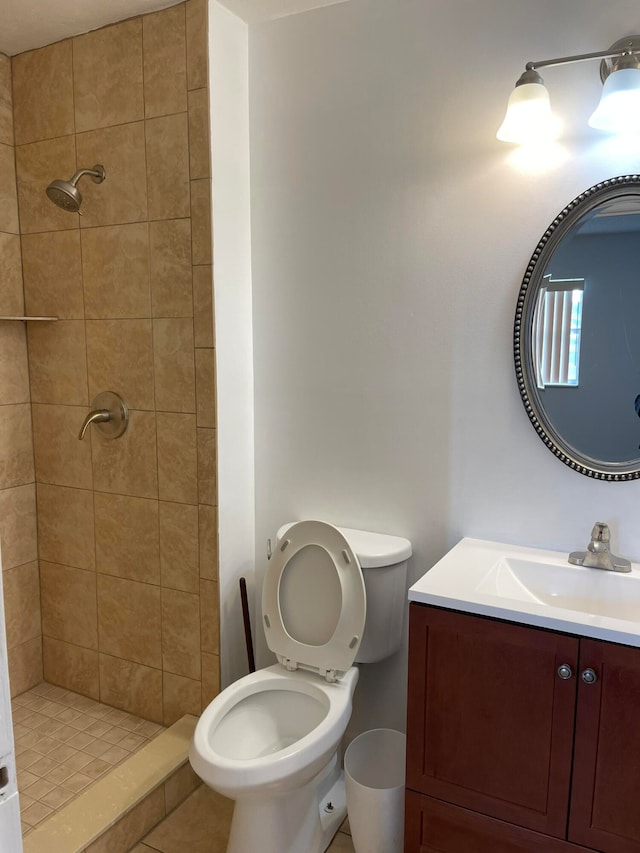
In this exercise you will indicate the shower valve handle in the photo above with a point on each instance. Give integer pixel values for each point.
(110, 413)
(99, 416)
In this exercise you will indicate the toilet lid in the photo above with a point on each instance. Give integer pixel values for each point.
(313, 600)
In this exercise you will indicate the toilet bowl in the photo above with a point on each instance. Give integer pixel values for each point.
(265, 742)
(270, 741)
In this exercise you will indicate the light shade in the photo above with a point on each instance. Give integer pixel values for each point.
(529, 117)
(619, 107)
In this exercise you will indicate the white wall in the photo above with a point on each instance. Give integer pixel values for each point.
(228, 58)
(390, 234)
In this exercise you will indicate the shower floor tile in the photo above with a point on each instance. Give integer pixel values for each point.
(64, 743)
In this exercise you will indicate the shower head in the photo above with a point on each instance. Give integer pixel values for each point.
(66, 193)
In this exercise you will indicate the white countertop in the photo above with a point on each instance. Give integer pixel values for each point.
(534, 587)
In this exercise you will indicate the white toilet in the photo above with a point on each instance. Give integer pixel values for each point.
(270, 741)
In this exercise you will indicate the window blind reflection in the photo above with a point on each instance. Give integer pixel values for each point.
(557, 324)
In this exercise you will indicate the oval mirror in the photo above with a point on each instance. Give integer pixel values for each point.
(577, 333)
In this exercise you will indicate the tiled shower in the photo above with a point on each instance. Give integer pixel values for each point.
(109, 548)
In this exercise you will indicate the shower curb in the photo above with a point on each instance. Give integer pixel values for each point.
(121, 808)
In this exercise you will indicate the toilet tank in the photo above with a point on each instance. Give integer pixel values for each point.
(383, 560)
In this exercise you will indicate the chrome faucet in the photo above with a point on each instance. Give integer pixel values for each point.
(598, 555)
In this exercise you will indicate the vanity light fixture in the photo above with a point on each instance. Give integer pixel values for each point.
(529, 117)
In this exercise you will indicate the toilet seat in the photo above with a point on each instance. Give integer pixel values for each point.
(315, 564)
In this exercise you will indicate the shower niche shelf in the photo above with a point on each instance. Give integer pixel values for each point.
(37, 319)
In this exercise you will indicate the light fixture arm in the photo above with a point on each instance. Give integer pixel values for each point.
(628, 46)
(579, 57)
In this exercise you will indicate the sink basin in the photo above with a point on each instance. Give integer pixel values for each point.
(589, 591)
(535, 587)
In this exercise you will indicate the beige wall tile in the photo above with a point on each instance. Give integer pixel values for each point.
(127, 537)
(209, 623)
(200, 824)
(18, 530)
(170, 264)
(65, 526)
(11, 293)
(128, 466)
(53, 274)
(179, 546)
(60, 458)
(107, 80)
(206, 387)
(132, 687)
(184, 781)
(177, 458)
(25, 666)
(168, 166)
(199, 144)
(181, 633)
(210, 678)
(69, 607)
(22, 604)
(203, 306)
(201, 245)
(8, 194)
(16, 446)
(6, 107)
(208, 539)
(120, 359)
(72, 667)
(129, 621)
(58, 363)
(122, 197)
(207, 480)
(43, 93)
(134, 536)
(39, 163)
(174, 365)
(165, 69)
(14, 366)
(115, 264)
(180, 696)
(197, 37)
(131, 828)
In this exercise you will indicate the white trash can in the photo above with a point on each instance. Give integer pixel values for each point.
(374, 771)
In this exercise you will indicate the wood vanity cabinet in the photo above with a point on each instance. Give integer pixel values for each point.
(506, 756)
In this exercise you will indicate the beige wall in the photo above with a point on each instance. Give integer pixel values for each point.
(17, 489)
(126, 528)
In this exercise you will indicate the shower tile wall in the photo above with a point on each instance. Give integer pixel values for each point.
(17, 486)
(127, 529)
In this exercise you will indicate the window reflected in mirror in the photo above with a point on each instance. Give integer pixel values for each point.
(557, 324)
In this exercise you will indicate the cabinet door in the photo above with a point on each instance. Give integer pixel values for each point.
(490, 722)
(432, 826)
(605, 796)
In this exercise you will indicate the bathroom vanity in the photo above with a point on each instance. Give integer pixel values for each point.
(523, 728)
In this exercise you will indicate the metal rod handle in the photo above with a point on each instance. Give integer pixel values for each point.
(96, 417)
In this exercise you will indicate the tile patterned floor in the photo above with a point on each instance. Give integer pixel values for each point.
(201, 825)
(64, 743)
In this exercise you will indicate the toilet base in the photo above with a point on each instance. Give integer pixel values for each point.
(295, 822)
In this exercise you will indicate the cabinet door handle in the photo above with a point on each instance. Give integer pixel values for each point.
(589, 676)
(565, 672)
